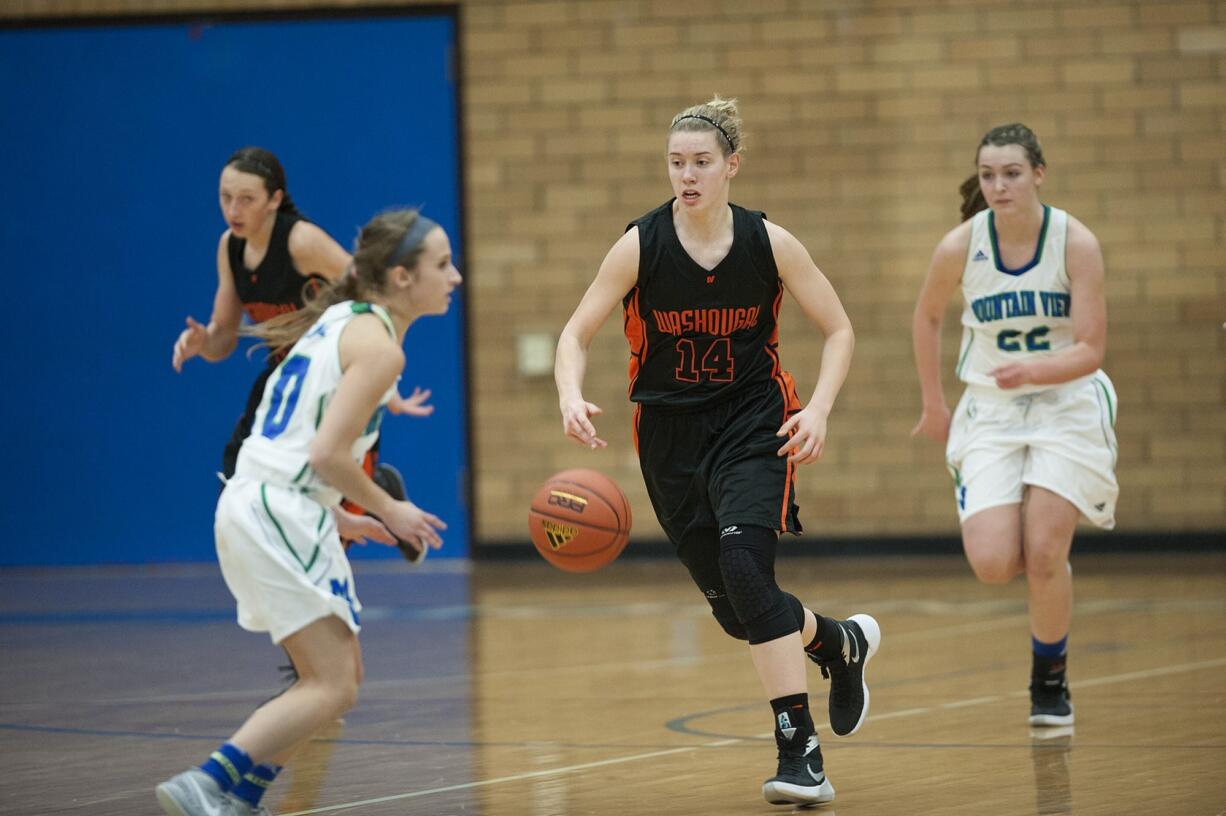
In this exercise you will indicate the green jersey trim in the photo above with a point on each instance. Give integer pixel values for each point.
(359, 307)
(314, 555)
(1038, 252)
(1104, 401)
(965, 353)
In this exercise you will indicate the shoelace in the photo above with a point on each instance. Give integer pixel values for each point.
(840, 687)
(1050, 693)
(790, 763)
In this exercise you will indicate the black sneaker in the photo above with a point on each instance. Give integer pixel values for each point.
(388, 478)
(1050, 703)
(800, 779)
(848, 689)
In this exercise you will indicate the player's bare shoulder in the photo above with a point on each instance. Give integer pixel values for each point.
(788, 251)
(304, 237)
(1080, 237)
(953, 245)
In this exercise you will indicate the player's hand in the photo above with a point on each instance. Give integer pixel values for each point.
(577, 422)
(190, 343)
(360, 529)
(412, 524)
(933, 423)
(412, 405)
(808, 437)
(1011, 375)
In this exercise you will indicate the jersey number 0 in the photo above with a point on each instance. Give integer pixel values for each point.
(285, 395)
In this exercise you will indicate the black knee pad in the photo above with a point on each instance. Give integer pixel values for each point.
(798, 609)
(746, 561)
(725, 616)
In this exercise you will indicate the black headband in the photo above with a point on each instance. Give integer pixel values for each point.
(710, 122)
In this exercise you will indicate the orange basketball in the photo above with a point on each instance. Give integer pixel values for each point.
(580, 520)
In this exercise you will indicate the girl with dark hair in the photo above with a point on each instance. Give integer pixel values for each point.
(276, 528)
(719, 428)
(269, 261)
(1031, 445)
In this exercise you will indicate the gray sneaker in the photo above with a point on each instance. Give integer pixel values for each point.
(195, 793)
(243, 809)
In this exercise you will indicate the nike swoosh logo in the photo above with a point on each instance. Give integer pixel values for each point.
(853, 646)
(212, 808)
(818, 778)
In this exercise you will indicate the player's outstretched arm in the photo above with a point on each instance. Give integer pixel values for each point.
(371, 361)
(944, 274)
(616, 277)
(217, 340)
(806, 430)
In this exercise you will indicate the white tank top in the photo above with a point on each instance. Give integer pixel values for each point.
(295, 398)
(1012, 315)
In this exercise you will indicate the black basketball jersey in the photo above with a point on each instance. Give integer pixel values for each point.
(700, 336)
(275, 286)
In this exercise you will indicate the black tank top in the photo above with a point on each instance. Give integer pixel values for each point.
(698, 337)
(275, 286)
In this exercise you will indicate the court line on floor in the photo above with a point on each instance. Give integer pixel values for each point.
(656, 664)
(910, 712)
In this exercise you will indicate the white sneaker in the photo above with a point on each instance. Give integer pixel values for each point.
(244, 809)
(194, 793)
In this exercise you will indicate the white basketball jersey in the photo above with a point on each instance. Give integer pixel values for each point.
(295, 398)
(1013, 315)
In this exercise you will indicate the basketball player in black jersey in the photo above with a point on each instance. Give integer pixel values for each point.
(718, 426)
(268, 262)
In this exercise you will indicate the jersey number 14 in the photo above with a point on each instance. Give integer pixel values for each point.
(716, 363)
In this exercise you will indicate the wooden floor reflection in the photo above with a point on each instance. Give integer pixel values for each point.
(516, 690)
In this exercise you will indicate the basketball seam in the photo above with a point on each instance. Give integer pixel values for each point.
(563, 554)
(607, 503)
(580, 522)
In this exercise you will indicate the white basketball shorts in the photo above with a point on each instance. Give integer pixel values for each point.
(282, 559)
(1061, 439)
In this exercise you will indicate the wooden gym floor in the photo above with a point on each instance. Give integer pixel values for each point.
(511, 689)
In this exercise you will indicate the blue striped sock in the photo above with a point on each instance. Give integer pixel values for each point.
(227, 765)
(255, 784)
(1056, 649)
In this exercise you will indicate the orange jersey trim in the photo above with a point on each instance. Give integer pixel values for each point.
(636, 335)
(638, 411)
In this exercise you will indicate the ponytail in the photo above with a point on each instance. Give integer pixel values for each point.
(972, 197)
(376, 250)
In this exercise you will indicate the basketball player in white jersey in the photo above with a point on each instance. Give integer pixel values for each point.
(275, 526)
(1031, 444)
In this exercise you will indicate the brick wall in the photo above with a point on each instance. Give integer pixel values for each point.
(862, 119)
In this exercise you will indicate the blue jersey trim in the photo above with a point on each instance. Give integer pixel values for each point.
(1038, 252)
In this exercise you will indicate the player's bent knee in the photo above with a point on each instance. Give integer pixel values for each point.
(733, 627)
(344, 695)
(798, 609)
(762, 608)
(995, 570)
(778, 621)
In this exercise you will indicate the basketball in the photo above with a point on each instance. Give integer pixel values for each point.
(580, 520)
